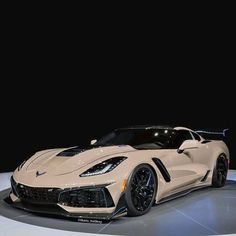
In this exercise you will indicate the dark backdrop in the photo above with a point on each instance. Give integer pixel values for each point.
(64, 91)
(47, 113)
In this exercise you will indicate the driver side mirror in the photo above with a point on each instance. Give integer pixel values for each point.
(188, 144)
(93, 141)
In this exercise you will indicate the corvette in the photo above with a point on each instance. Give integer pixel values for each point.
(124, 172)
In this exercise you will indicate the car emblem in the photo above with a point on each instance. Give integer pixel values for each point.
(38, 173)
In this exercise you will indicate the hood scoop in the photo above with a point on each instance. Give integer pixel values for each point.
(71, 152)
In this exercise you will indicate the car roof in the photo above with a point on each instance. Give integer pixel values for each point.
(148, 127)
(169, 127)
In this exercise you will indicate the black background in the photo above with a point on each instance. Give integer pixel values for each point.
(62, 89)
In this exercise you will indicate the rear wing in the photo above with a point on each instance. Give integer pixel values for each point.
(213, 134)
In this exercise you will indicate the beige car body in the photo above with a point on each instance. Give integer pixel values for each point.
(186, 170)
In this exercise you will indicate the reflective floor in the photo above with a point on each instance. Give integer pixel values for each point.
(204, 212)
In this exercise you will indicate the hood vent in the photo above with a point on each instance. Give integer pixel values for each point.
(71, 152)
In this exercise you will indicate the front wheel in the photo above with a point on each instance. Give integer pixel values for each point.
(220, 172)
(141, 190)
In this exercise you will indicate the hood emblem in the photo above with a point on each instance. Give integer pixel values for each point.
(40, 173)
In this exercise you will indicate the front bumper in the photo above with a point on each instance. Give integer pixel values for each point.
(92, 203)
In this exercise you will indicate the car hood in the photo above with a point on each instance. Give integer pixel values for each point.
(64, 161)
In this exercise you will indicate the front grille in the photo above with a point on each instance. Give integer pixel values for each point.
(36, 195)
(78, 197)
(92, 197)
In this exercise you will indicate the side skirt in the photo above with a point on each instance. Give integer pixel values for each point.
(180, 194)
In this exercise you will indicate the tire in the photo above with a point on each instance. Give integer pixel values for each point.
(141, 190)
(220, 172)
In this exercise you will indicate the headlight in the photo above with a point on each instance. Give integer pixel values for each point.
(103, 167)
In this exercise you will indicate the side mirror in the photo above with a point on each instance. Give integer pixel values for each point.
(188, 144)
(93, 141)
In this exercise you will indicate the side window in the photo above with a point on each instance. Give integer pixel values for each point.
(180, 137)
(196, 136)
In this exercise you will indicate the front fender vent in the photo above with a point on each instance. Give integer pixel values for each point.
(162, 169)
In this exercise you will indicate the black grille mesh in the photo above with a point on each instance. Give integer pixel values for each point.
(79, 197)
(97, 197)
(36, 195)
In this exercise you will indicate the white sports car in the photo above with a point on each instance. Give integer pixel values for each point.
(125, 172)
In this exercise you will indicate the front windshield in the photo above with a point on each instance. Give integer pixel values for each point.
(139, 138)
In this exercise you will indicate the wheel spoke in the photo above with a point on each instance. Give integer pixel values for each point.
(220, 176)
(148, 179)
(224, 177)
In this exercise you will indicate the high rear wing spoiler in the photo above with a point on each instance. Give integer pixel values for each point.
(205, 133)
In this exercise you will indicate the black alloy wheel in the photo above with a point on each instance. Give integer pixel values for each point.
(220, 172)
(141, 190)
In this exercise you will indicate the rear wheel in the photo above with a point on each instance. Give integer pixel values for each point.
(220, 172)
(141, 190)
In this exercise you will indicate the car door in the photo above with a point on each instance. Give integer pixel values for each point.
(200, 155)
(182, 167)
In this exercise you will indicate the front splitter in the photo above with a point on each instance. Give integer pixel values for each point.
(58, 211)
